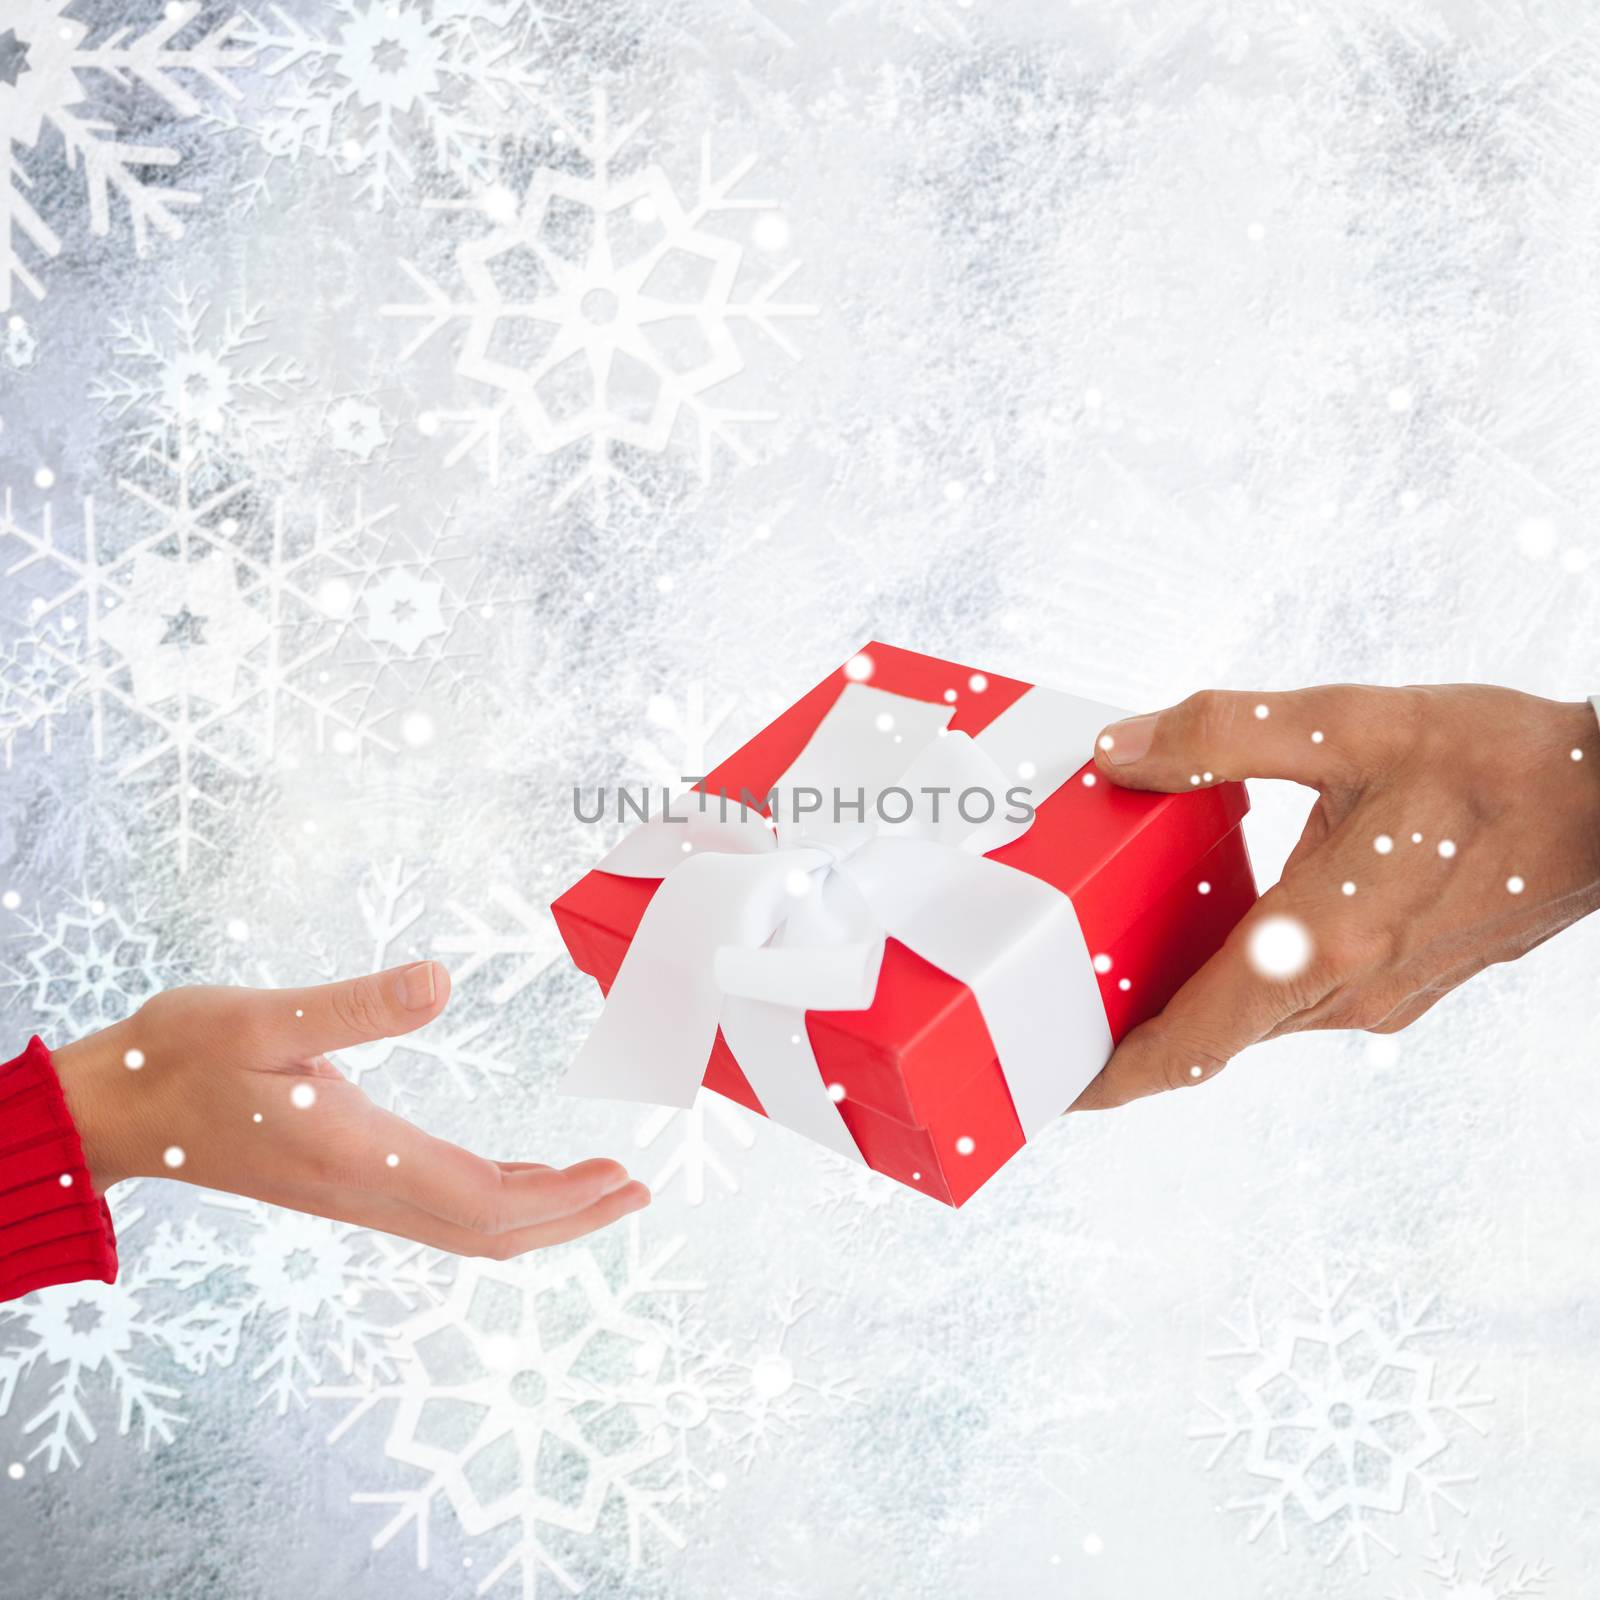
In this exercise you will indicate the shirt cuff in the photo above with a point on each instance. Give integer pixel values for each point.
(53, 1227)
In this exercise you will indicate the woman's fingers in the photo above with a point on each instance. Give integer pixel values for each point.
(387, 1213)
(386, 1155)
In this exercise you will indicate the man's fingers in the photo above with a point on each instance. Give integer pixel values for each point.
(337, 1016)
(1308, 736)
(1228, 1004)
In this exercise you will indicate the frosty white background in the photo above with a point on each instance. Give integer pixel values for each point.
(1128, 348)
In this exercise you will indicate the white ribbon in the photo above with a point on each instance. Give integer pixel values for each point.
(756, 923)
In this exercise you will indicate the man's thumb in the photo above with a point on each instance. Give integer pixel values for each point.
(1214, 736)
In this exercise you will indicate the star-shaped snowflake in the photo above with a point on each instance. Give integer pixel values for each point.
(622, 306)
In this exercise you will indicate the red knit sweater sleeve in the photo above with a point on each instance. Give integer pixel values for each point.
(53, 1227)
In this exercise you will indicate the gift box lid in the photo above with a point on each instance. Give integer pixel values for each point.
(1114, 852)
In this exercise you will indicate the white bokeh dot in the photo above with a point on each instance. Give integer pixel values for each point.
(1204, 886)
(173, 1156)
(1102, 963)
(133, 1059)
(1262, 713)
(977, 683)
(1447, 848)
(238, 930)
(303, 1096)
(1383, 844)
(858, 668)
(1280, 946)
(1347, 887)
(836, 1092)
(965, 1145)
(1515, 885)
(1093, 1544)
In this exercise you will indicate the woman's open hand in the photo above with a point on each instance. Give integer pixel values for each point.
(234, 1089)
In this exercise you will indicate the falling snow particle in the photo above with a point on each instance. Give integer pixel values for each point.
(1383, 844)
(1102, 963)
(1515, 885)
(965, 1145)
(1280, 947)
(303, 1096)
(1262, 713)
(1447, 848)
(858, 668)
(133, 1059)
(173, 1155)
(836, 1092)
(1347, 887)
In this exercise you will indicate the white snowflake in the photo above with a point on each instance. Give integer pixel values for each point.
(383, 81)
(40, 677)
(356, 427)
(531, 1403)
(118, 1337)
(689, 1142)
(315, 1288)
(410, 616)
(1487, 1575)
(697, 736)
(19, 348)
(201, 638)
(1343, 1417)
(529, 947)
(461, 1049)
(84, 968)
(47, 65)
(553, 1393)
(604, 311)
(198, 387)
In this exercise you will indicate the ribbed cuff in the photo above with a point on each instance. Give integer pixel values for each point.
(53, 1227)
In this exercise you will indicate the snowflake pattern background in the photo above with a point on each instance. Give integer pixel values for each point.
(411, 410)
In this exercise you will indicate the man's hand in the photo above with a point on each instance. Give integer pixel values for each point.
(1454, 827)
(233, 1089)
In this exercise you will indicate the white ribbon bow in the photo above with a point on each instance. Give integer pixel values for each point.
(756, 923)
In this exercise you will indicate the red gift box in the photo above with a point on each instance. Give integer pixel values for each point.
(1157, 881)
